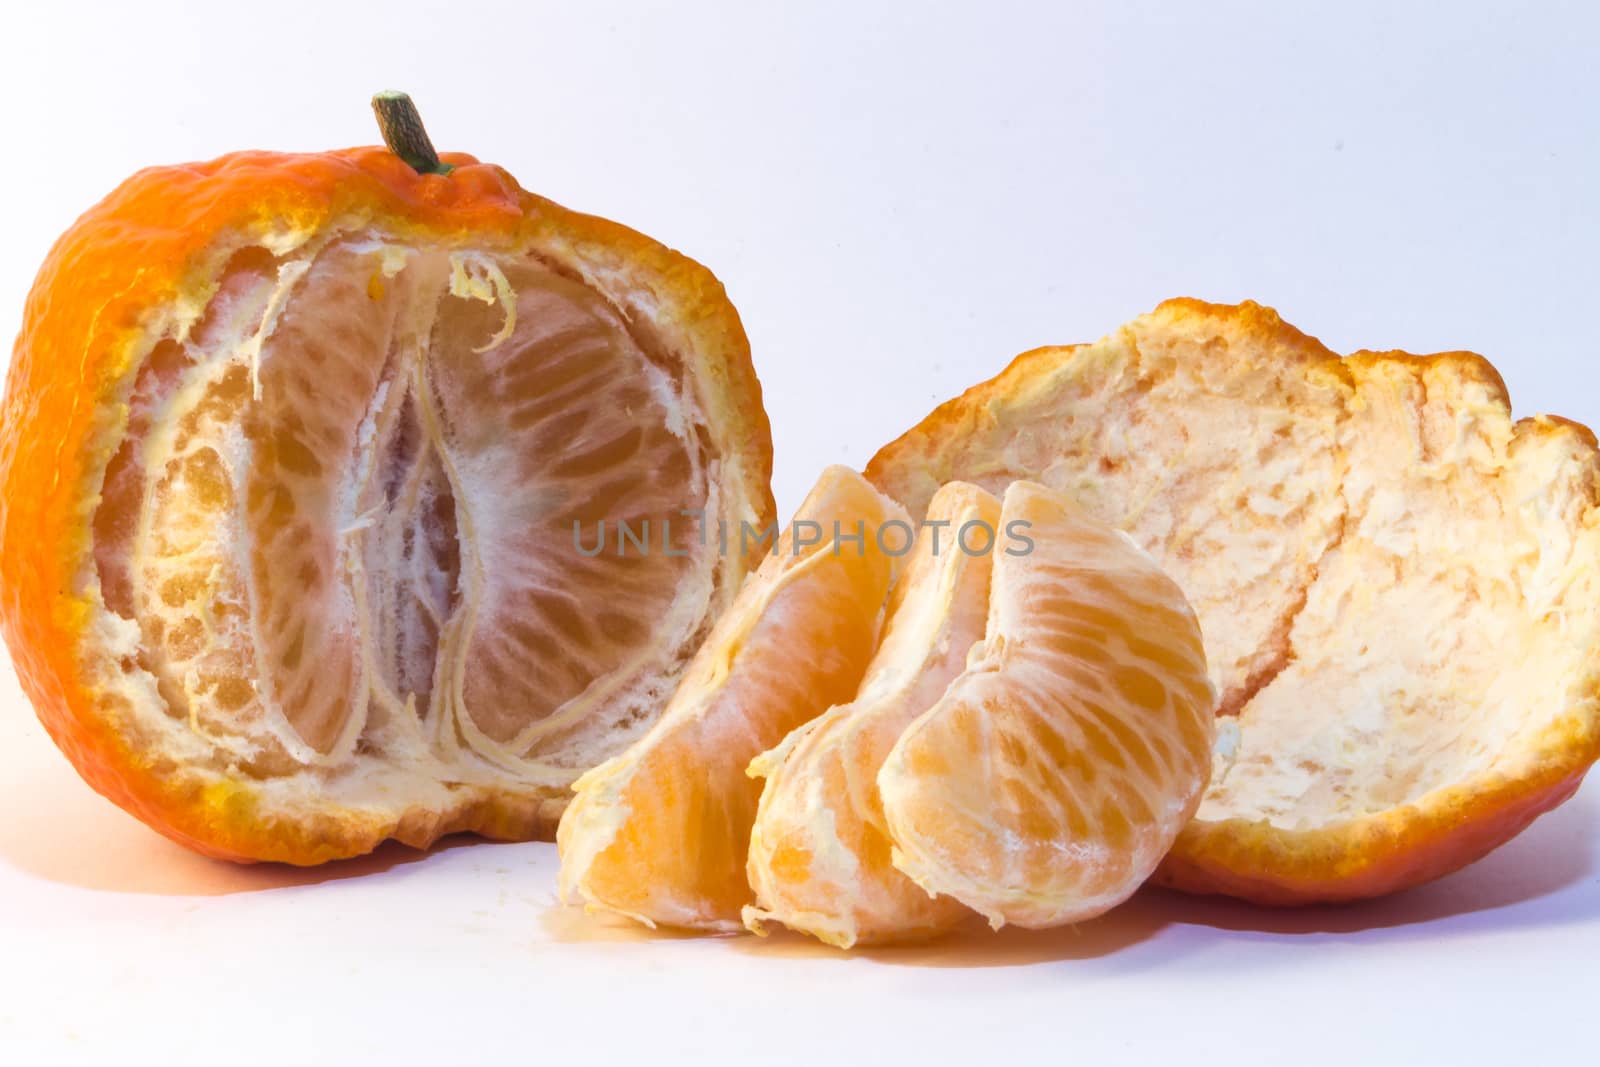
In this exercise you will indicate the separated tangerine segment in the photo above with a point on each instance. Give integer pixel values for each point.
(819, 850)
(660, 832)
(1057, 769)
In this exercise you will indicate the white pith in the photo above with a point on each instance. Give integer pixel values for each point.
(1396, 582)
(391, 753)
(1454, 621)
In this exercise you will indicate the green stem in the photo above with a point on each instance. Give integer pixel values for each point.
(404, 134)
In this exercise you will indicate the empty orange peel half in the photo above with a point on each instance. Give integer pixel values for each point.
(1399, 586)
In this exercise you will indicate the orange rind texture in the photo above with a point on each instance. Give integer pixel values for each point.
(1397, 583)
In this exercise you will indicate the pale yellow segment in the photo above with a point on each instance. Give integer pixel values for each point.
(819, 851)
(1058, 768)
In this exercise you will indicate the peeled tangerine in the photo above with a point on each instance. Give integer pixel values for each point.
(311, 475)
(1399, 586)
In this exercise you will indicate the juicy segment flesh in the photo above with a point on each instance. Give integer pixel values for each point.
(819, 850)
(341, 528)
(1056, 771)
(660, 832)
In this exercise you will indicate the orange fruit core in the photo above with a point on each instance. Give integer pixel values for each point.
(370, 501)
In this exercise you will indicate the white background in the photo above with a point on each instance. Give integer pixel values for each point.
(899, 199)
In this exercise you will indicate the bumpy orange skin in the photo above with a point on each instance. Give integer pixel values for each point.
(155, 238)
(1376, 855)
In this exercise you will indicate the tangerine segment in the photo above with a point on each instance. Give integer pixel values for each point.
(339, 502)
(660, 832)
(819, 850)
(1056, 771)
